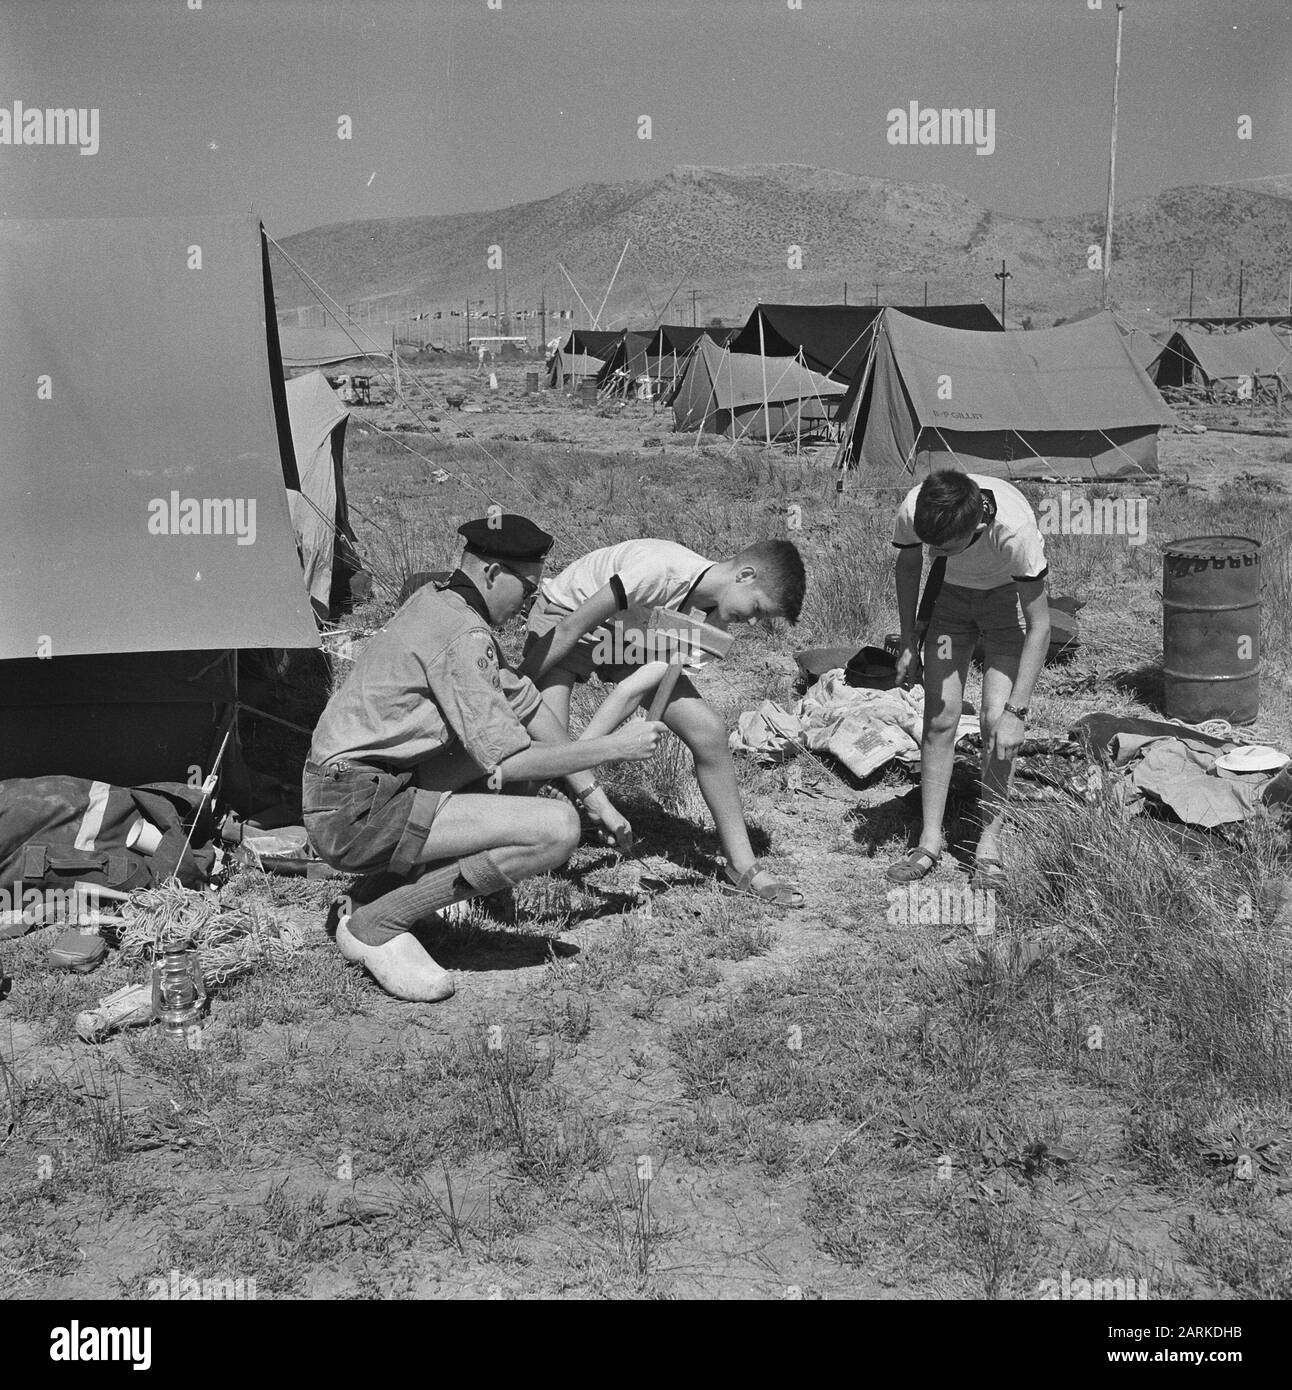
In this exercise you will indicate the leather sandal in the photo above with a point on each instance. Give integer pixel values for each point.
(916, 864)
(762, 883)
(989, 874)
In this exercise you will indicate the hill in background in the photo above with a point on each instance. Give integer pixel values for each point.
(727, 233)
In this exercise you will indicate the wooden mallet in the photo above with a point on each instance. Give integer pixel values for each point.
(674, 637)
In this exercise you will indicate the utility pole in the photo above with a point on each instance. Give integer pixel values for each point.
(542, 319)
(926, 294)
(695, 320)
(1002, 275)
(1240, 289)
(877, 284)
(506, 308)
(1190, 291)
(845, 291)
(1112, 165)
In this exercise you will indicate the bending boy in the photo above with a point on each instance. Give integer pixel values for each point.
(430, 721)
(994, 587)
(585, 623)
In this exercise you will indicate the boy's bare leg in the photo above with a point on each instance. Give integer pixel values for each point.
(997, 682)
(624, 699)
(946, 664)
(555, 689)
(699, 727)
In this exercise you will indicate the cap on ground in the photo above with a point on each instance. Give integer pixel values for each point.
(506, 536)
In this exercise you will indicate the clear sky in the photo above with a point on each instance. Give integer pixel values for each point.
(457, 106)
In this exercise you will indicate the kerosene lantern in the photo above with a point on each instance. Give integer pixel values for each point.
(179, 992)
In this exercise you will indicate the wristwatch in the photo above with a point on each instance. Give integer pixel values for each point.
(1016, 712)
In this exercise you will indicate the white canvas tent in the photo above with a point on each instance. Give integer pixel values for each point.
(320, 516)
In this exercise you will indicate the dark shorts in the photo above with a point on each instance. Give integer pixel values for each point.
(362, 820)
(964, 615)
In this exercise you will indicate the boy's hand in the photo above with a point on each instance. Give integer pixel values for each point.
(1008, 737)
(910, 666)
(636, 741)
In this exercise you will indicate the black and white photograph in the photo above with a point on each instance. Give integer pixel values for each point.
(646, 655)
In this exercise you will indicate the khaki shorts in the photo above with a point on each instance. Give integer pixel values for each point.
(362, 819)
(995, 615)
(580, 661)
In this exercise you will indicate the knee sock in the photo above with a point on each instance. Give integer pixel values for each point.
(395, 913)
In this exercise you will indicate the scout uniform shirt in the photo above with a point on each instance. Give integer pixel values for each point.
(644, 574)
(431, 690)
(1009, 551)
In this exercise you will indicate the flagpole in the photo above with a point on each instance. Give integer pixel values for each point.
(1112, 165)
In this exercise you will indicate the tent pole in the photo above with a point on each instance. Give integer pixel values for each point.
(762, 357)
(611, 285)
(798, 415)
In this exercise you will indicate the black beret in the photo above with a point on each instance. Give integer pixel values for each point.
(506, 536)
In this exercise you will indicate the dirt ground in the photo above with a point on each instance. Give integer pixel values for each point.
(644, 1087)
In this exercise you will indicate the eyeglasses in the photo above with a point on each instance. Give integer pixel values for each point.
(531, 586)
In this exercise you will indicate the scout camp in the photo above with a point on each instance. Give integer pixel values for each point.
(673, 733)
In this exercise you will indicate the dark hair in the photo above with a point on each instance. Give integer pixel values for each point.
(781, 575)
(948, 506)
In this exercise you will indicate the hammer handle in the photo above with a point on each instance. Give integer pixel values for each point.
(664, 691)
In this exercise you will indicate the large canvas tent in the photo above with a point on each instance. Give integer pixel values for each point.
(1067, 402)
(326, 347)
(835, 338)
(145, 460)
(320, 515)
(1192, 358)
(748, 397)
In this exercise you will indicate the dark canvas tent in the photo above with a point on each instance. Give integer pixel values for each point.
(672, 344)
(835, 338)
(1192, 358)
(323, 347)
(1067, 402)
(583, 354)
(320, 516)
(145, 455)
(722, 392)
(626, 364)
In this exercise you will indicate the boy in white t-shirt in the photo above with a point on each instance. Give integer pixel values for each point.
(584, 625)
(994, 586)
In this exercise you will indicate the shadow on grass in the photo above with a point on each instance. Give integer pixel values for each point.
(1145, 683)
(692, 846)
(873, 826)
(469, 946)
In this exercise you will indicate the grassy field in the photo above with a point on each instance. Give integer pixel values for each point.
(647, 1087)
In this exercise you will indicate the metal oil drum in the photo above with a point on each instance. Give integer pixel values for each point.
(1211, 628)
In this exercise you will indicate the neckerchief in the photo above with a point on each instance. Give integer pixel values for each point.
(464, 586)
